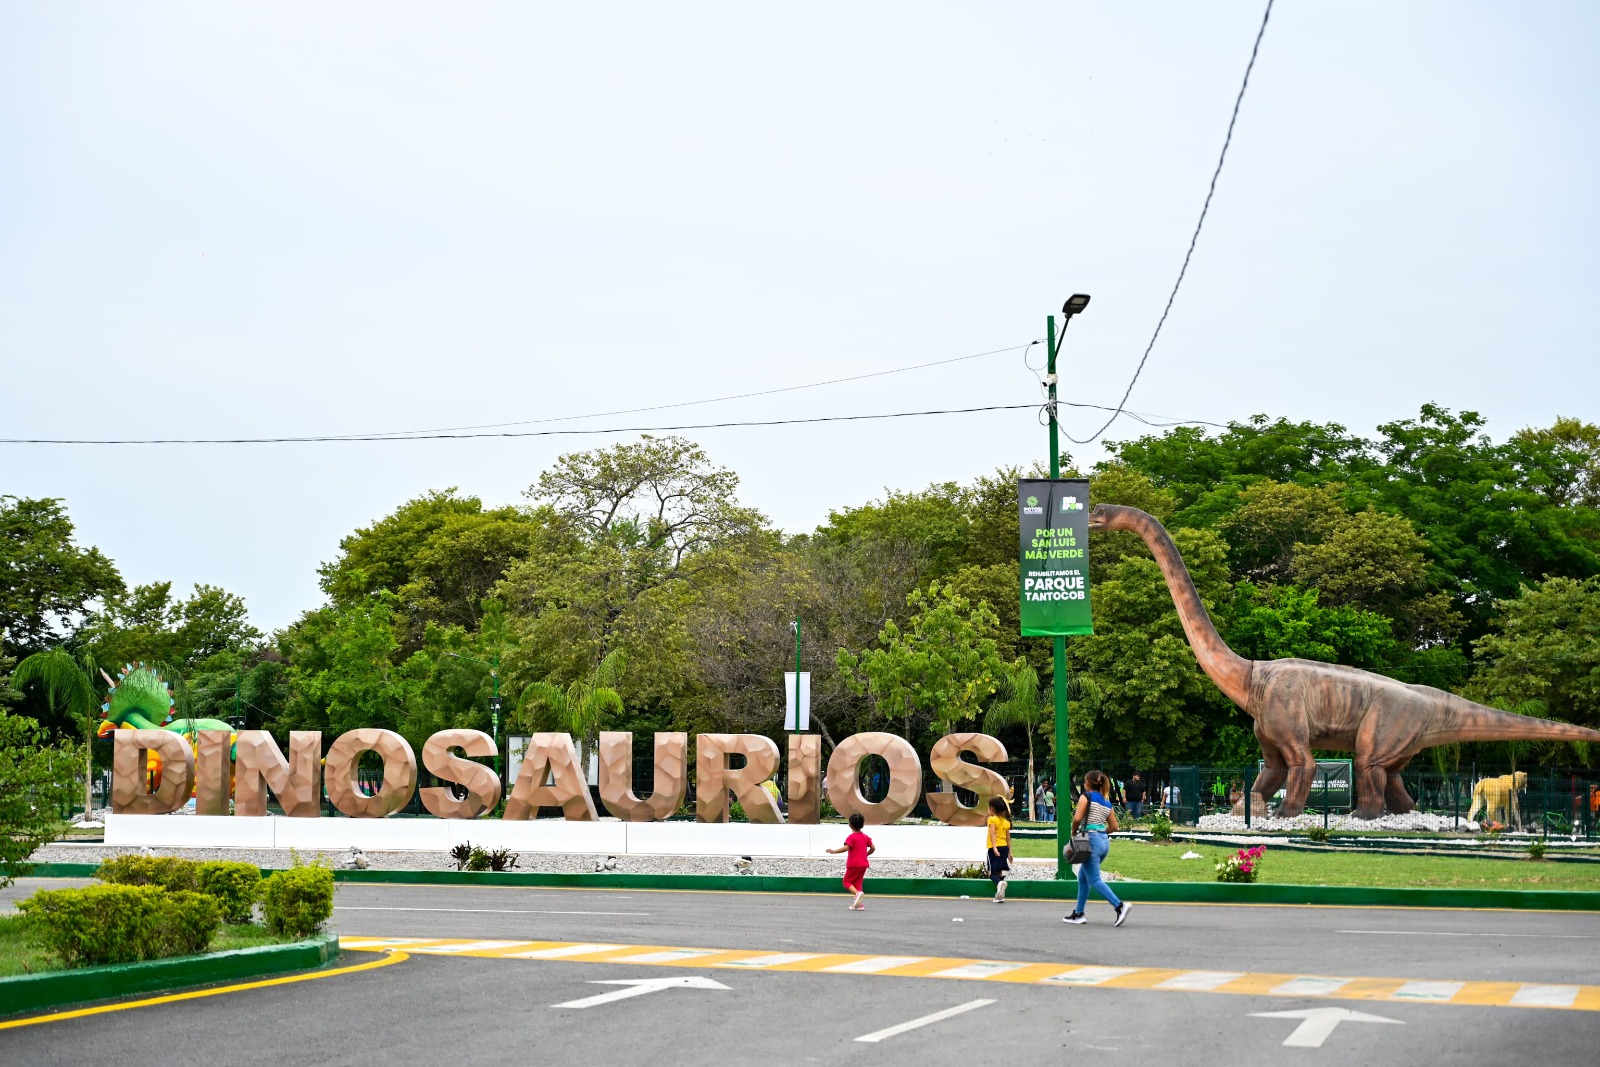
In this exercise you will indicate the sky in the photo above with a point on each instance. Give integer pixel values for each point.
(303, 218)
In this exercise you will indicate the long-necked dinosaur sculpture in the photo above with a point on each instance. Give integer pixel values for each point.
(1299, 704)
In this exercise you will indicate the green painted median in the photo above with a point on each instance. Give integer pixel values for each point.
(1166, 892)
(82, 985)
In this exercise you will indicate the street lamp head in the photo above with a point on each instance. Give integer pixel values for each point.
(1075, 303)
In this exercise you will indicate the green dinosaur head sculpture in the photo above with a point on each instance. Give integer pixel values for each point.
(139, 699)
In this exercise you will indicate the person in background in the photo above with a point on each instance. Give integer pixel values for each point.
(1135, 794)
(1049, 803)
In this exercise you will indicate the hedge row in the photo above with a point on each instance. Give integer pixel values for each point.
(152, 907)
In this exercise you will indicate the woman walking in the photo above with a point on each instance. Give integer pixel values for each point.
(1095, 816)
(999, 854)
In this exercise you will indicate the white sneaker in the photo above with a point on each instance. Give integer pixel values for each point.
(1122, 913)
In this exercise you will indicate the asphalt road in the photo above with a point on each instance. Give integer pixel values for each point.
(472, 1009)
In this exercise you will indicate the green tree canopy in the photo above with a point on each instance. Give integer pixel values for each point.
(47, 581)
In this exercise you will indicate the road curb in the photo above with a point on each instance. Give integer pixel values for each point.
(1020, 889)
(80, 985)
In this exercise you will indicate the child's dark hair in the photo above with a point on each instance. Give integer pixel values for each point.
(999, 806)
(857, 821)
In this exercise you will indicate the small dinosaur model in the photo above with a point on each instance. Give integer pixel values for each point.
(1299, 705)
(1497, 798)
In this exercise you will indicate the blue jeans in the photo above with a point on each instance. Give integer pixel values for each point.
(1089, 873)
(1136, 808)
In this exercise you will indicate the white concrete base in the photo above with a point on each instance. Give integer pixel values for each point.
(607, 837)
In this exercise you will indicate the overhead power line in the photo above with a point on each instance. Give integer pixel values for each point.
(337, 439)
(688, 403)
(1193, 240)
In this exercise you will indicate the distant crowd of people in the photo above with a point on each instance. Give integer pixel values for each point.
(1133, 796)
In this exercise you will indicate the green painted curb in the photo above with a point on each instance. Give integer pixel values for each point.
(52, 989)
(1020, 889)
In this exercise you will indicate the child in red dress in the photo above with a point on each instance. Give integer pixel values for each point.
(860, 846)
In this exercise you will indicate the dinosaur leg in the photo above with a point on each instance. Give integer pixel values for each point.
(1395, 797)
(1371, 783)
(1267, 783)
(1297, 785)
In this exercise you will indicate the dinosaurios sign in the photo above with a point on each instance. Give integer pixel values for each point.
(156, 771)
(1054, 554)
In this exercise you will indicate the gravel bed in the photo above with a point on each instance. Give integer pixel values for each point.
(63, 852)
(1416, 820)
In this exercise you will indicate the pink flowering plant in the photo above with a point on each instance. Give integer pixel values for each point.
(1242, 866)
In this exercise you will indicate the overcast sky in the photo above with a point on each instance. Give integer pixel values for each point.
(282, 219)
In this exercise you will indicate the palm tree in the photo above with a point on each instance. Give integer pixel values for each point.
(70, 687)
(1020, 704)
(581, 706)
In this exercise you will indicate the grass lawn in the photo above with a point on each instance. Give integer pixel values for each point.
(21, 954)
(1161, 863)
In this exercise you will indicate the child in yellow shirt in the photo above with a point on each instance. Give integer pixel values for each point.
(999, 843)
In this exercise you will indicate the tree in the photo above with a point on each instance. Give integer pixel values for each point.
(36, 781)
(440, 555)
(945, 664)
(146, 623)
(1488, 530)
(46, 581)
(582, 707)
(1546, 646)
(71, 688)
(1562, 462)
(1020, 705)
(342, 673)
(1288, 622)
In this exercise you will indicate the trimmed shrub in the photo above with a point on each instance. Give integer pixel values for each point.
(168, 872)
(296, 902)
(96, 924)
(234, 886)
(185, 923)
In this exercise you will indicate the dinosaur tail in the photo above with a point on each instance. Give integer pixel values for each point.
(1468, 721)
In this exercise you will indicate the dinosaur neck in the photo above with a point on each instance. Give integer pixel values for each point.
(1229, 670)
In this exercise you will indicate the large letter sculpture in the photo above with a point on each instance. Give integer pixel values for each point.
(258, 765)
(213, 772)
(129, 767)
(551, 756)
(344, 786)
(480, 782)
(713, 778)
(946, 761)
(844, 777)
(616, 777)
(805, 778)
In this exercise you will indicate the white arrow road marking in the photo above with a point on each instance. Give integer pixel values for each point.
(638, 987)
(938, 1016)
(1318, 1023)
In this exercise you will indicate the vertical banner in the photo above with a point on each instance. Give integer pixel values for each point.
(790, 721)
(1054, 556)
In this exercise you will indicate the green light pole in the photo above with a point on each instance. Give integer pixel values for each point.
(1063, 788)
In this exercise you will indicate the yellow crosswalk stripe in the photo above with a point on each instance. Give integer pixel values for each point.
(1549, 996)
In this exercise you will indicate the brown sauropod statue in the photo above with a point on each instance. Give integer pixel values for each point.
(1299, 704)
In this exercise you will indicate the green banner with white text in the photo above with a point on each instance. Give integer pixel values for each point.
(1054, 556)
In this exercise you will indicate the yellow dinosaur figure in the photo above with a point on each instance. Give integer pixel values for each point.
(1497, 797)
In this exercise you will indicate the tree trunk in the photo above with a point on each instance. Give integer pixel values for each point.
(1033, 816)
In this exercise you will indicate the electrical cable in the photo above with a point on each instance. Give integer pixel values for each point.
(402, 434)
(1193, 240)
(330, 439)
